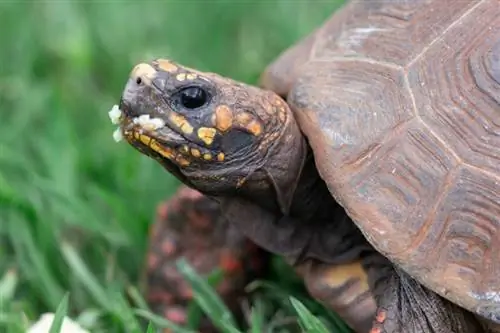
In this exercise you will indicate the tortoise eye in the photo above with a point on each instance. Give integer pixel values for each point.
(193, 97)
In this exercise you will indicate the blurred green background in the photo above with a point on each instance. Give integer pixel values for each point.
(76, 206)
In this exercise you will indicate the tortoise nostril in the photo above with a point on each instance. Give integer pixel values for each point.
(138, 80)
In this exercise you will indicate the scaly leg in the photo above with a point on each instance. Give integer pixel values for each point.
(344, 289)
(189, 225)
(404, 305)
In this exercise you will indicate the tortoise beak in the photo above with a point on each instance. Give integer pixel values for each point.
(140, 80)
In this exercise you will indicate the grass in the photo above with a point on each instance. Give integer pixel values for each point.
(75, 207)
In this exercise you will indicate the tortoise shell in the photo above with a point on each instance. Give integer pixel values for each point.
(400, 102)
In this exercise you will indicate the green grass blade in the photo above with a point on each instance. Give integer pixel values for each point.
(205, 296)
(150, 328)
(256, 317)
(8, 285)
(307, 320)
(161, 322)
(80, 269)
(59, 315)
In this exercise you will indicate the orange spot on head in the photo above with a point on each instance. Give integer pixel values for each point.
(163, 151)
(195, 152)
(144, 139)
(375, 330)
(223, 118)
(207, 134)
(254, 128)
(220, 157)
(181, 122)
(166, 65)
(181, 77)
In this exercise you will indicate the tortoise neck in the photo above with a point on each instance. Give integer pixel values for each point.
(312, 200)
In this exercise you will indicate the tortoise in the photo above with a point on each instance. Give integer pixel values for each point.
(371, 141)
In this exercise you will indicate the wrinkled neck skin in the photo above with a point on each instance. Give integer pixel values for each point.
(288, 183)
(312, 201)
(301, 218)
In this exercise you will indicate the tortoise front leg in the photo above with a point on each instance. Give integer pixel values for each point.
(404, 305)
(190, 225)
(343, 288)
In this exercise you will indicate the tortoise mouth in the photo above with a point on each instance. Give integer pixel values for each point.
(163, 144)
(153, 137)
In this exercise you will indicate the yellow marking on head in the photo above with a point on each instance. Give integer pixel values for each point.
(184, 149)
(181, 122)
(223, 118)
(191, 76)
(181, 77)
(145, 72)
(182, 161)
(207, 134)
(166, 152)
(207, 156)
(220, 157)
(145, 139)
(254, 127)
(166, 65)
(195, 152)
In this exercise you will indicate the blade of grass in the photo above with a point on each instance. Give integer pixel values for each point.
(308, 321)
(59, 315)
(195, 312)
(207, 299)
(256, 317)
(112, 300)
(162, 322)
(8, 285)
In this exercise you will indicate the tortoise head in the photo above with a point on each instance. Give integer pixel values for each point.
(216, 135)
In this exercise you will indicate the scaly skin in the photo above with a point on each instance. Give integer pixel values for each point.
(190, 226)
